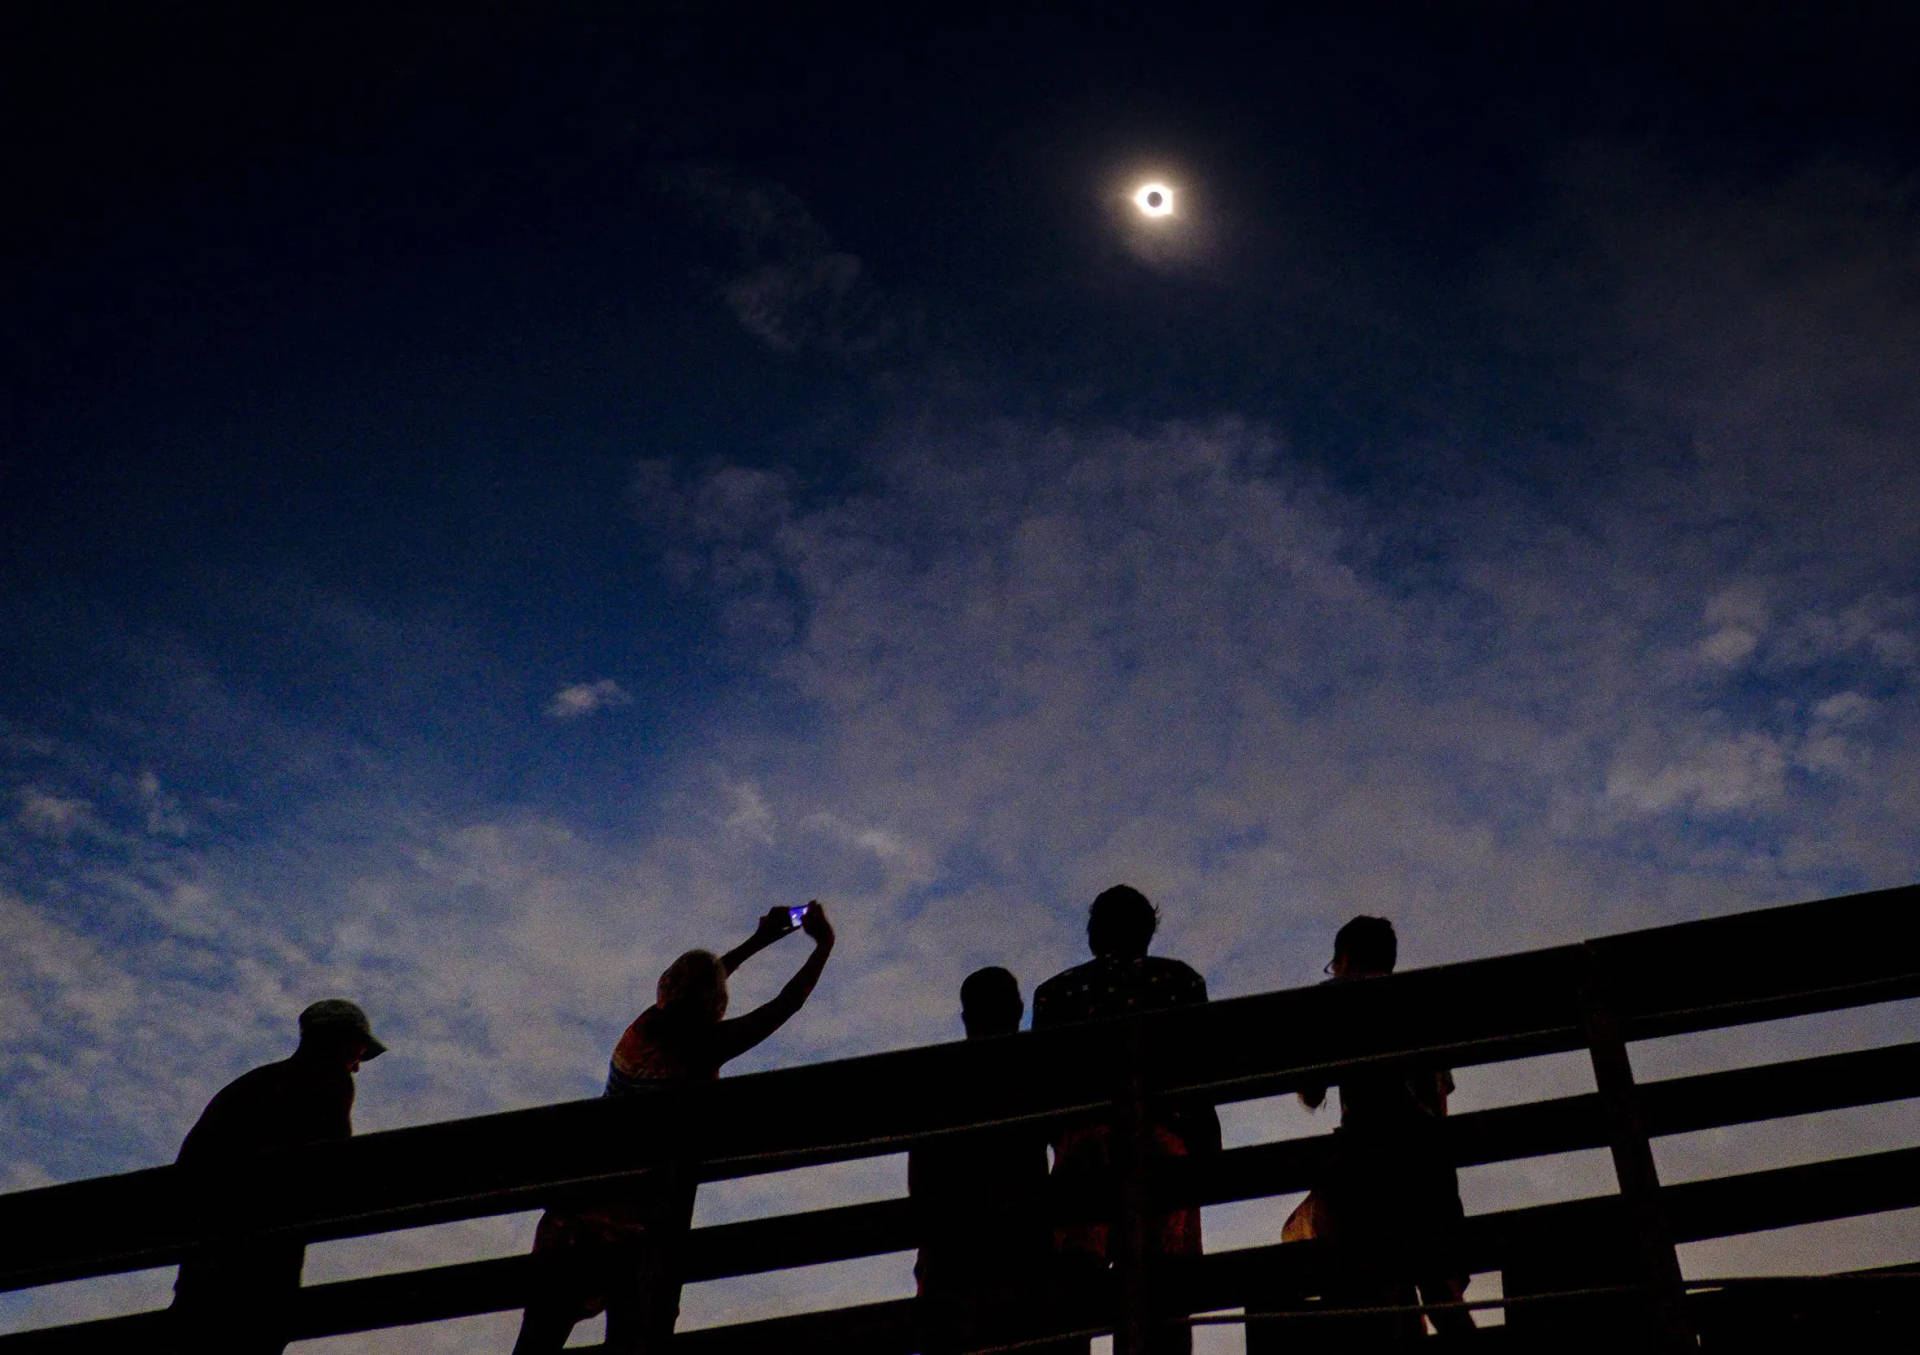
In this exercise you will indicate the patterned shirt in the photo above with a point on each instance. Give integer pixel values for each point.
(1111, 986)
(665, 1046)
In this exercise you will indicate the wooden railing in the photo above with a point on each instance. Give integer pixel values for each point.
(1597, 996)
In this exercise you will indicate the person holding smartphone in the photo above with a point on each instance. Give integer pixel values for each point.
(622, 1255)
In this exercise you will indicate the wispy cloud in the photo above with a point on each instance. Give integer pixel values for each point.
(587, 698)
(50, 815)
(794, 290)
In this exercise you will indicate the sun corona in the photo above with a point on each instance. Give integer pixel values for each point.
(1154, 199)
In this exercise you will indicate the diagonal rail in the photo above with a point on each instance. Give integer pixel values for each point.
(1792, 960)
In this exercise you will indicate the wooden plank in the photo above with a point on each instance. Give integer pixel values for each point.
(1777, 1198)
(1563, 1124)
(1761, 965)
(1633, 1166)
(1569, 1123)
(1780, 1197)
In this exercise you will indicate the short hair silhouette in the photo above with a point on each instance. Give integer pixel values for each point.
(1121, 922)
(1368, 943)
(990, 1002)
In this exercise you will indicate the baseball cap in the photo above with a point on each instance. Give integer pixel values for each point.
(336, 1013)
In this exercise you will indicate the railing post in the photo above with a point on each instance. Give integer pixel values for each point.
(1633, 1165)
(1133, 1322)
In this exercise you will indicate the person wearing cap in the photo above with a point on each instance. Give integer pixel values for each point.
(233, 1298)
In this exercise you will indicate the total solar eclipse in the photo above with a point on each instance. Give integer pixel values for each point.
(1154, 199)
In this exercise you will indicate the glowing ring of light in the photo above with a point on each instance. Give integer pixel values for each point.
(1144, 199)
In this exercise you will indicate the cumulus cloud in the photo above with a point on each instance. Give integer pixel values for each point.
(1718, 776)
(587, 698)
(1178, 656)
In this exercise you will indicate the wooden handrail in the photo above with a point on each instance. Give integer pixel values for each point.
(1775, 1198)
(1754, 966)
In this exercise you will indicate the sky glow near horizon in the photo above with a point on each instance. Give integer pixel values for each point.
(1523, 551)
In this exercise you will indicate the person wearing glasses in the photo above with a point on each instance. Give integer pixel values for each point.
(1391, 1199)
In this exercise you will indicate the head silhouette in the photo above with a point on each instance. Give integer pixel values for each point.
(990, 1003)
(695, 984)
(1121, 923)
(334, 1030)
(1366, 945)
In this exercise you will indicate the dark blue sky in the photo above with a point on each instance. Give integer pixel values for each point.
(388, 301)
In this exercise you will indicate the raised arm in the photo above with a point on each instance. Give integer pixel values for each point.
(770, 929)
(741, 1033)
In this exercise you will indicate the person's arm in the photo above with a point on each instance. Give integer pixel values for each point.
(341, 1127)
(737, 1036)
(770, 929)
(1314, 1094)
(1042, 1007)
(208, 1137)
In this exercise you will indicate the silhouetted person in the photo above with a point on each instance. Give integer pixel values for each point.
(623, 1256)
(1392, 1200)
(232, 1299)
(1121, 979)
(979, 1204)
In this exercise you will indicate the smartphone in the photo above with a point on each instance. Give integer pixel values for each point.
(794, 915)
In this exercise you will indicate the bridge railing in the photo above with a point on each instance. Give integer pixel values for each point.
(1596, 996)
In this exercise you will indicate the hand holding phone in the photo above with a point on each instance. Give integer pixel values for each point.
(813, 920)
(775, 923)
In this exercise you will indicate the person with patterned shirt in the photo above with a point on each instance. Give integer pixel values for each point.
(622, 1255)
(1120, 980)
